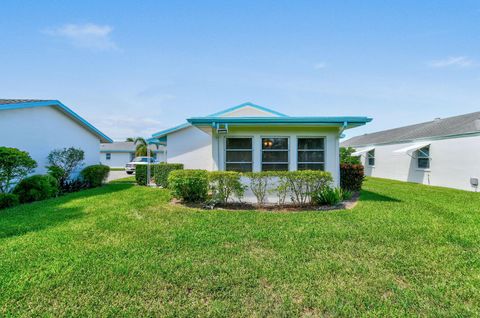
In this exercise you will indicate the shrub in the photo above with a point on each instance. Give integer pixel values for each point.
(8, 200)
(351, 177)
(282, 187)
(64, 162)
(95, 175)
(259, 182)
(224, 184)
(141, 173)
(189, 185)
(327, 196)
(14, 166)
(162, 171)
(36, 188)
(302, 184)
(346, 156)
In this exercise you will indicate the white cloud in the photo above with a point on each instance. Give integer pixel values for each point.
(320, 65)
(454, 61)
(120, 127)
(90, 36)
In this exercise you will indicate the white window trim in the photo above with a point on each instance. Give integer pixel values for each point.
(225, 162)
(324, 151)
(367, 155)
(426, 157)
(275, 150)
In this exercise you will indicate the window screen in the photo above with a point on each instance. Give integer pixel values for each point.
(238, 154)
(275, 154)
(311, 154)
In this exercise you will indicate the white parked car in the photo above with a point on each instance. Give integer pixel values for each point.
(130, 167)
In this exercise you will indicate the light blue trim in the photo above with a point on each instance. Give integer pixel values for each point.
(170, 130)
(104, 138)
(125, 151)
(347, 122)
(265, 109)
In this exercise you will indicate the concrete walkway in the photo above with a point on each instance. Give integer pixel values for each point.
(114, 175)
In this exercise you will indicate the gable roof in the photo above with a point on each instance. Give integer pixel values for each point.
(247, 104)
(438, 128)
(7, 104)
(165, 132)
(124, 146)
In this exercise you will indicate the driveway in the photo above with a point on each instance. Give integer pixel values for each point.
(114, 175)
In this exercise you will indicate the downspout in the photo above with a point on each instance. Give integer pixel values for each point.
(340, 135)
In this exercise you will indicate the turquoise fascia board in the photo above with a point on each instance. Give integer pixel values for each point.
(170, 130)
(324, 121)
(104, 138)
(124, 151)
(265, 109)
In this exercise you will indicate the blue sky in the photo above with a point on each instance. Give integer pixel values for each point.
(134, 68)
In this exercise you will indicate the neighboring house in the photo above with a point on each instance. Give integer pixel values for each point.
(443, 152)
(249, 137)
(40, 126)
(117, 154)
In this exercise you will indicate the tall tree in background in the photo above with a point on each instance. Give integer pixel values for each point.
(346, 156)
(141, 146)
(130, 139)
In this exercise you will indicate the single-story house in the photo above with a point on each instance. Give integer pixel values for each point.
(250, 137)
(442, 152)
(117, 154)
(40, 126)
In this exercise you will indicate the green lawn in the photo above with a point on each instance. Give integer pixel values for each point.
(122, 250)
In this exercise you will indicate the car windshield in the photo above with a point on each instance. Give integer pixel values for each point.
(143, 159)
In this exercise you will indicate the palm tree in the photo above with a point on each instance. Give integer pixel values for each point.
(130, 139)
(141, 146)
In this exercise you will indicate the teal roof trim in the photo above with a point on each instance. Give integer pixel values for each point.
(170, 130)
(231, 109)
(324, 121)
(103, 138)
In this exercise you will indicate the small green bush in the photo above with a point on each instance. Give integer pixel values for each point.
(8, 200)
(327, 196)
(302, 184)
(141, 173)
(95, 175)
(35, 188)
(224, 184)
(259, 182)
(351, 177)
(162, 171)
(189, 185)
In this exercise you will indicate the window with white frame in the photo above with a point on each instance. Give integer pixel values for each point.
(371, 157)
(423, 158)
(238, 154)
(275, 154)
(311, 153)
(132, 156)
(108, 156)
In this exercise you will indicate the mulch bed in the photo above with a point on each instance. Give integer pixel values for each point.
(344, 205)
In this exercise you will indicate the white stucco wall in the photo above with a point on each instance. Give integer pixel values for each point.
(192, 147)
(39, 130)
(453, 162)
(117, 159)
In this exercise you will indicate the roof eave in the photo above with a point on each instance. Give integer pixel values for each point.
(103, 138)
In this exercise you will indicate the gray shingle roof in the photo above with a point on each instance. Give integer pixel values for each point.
(457, 125)
(17, 101)
(124, 146)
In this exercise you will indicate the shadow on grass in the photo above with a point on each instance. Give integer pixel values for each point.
(41, 215)
(373, 196)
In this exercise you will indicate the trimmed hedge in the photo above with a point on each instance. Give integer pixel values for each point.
(141, 173)
(225, 184)
(95, 175)
(8, 200)
(351, 177)
(162, 171)
(37, 187)
(189, 185)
